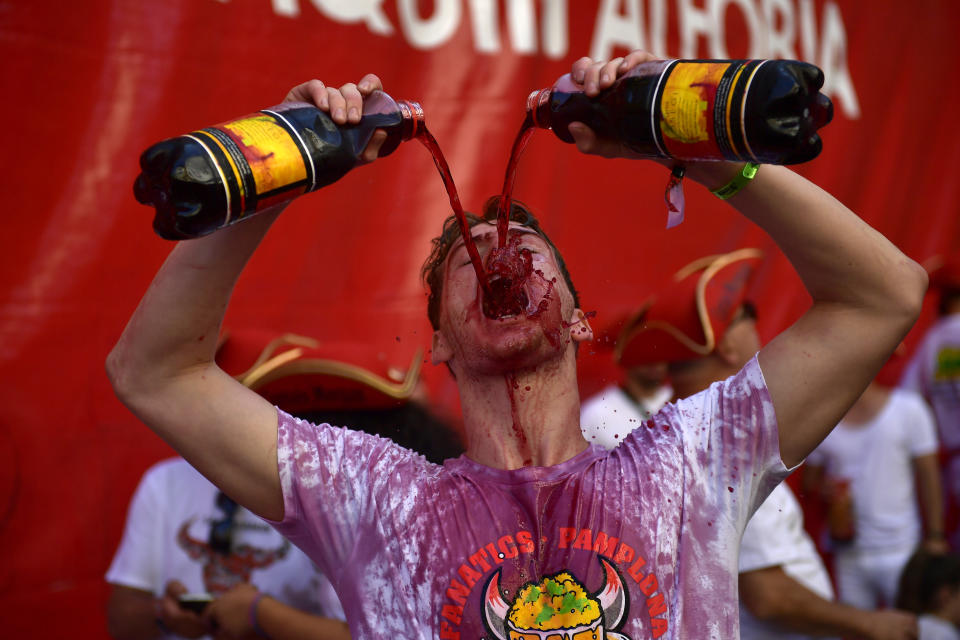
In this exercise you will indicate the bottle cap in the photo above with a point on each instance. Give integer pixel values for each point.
(413, 120)
(537, 104)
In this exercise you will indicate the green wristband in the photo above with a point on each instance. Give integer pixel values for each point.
(733, 187)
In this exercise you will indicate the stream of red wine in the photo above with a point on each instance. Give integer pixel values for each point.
(430, 143)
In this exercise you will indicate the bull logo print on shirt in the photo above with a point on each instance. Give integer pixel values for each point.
(222, 571)
(558, 608)
(226, 564)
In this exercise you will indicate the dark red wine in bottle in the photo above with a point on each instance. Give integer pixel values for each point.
(214, 177)
(765, 111)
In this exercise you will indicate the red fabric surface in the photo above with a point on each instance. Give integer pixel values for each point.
(87, 86)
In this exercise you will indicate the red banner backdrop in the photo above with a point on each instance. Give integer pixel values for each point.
(88, 86)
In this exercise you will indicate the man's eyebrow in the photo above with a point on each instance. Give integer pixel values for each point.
(459, 244)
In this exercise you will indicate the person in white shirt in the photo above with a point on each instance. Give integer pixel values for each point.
(870, 462)
(640, 395)
(184, 537)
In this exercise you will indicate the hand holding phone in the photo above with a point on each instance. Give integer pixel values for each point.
(196, 602)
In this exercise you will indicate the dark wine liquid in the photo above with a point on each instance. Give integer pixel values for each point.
(510, 179)
(430, 143)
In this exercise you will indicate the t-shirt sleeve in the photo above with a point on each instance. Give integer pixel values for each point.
(337, 483)
(135, 563)
(732, 444)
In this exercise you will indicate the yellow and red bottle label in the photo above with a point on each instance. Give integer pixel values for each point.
(261, 160)
(274, 157)
(700, 104)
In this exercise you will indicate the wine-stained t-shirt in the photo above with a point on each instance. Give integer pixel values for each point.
(638, 542)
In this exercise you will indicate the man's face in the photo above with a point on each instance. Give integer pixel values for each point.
(470, 341)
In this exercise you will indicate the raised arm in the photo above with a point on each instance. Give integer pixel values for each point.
(163, 366)
(866, 293)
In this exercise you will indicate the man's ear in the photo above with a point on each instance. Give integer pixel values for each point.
(439, 350)
(580, 329)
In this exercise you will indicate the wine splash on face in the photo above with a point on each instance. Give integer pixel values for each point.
(505, 277)
(441, 163)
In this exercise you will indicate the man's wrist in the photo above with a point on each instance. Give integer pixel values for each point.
(158, 616)
(254, 617)
(711, 174)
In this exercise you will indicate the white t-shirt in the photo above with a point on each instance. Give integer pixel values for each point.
(877, 459)
(608, 416)
(934, 373)
(775, 537)
(933, 628)
(166, 538)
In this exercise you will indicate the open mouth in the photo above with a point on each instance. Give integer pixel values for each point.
(509, 269)
(505, 298)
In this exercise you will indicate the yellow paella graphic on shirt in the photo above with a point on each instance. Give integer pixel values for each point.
(558, 608)
(948, 364)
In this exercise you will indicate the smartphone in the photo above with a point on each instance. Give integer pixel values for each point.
(195, 602)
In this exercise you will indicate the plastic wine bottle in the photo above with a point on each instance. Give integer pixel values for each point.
(765, 111)
(214, 177)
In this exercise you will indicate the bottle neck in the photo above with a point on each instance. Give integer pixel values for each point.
(413, 119)
(538, 106)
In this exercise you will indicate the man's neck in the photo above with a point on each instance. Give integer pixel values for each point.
(523, 418)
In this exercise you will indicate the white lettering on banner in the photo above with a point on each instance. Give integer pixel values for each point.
(429, 33)
(556, 28)
(613, 29)
(347, 11)
(522, 23)
(833, 61)
(288, 8)
(484, 18)
(808, 30)
(658, 27)
(774, 29)
(779, 42)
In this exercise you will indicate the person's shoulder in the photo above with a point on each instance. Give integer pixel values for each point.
(611, 394)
